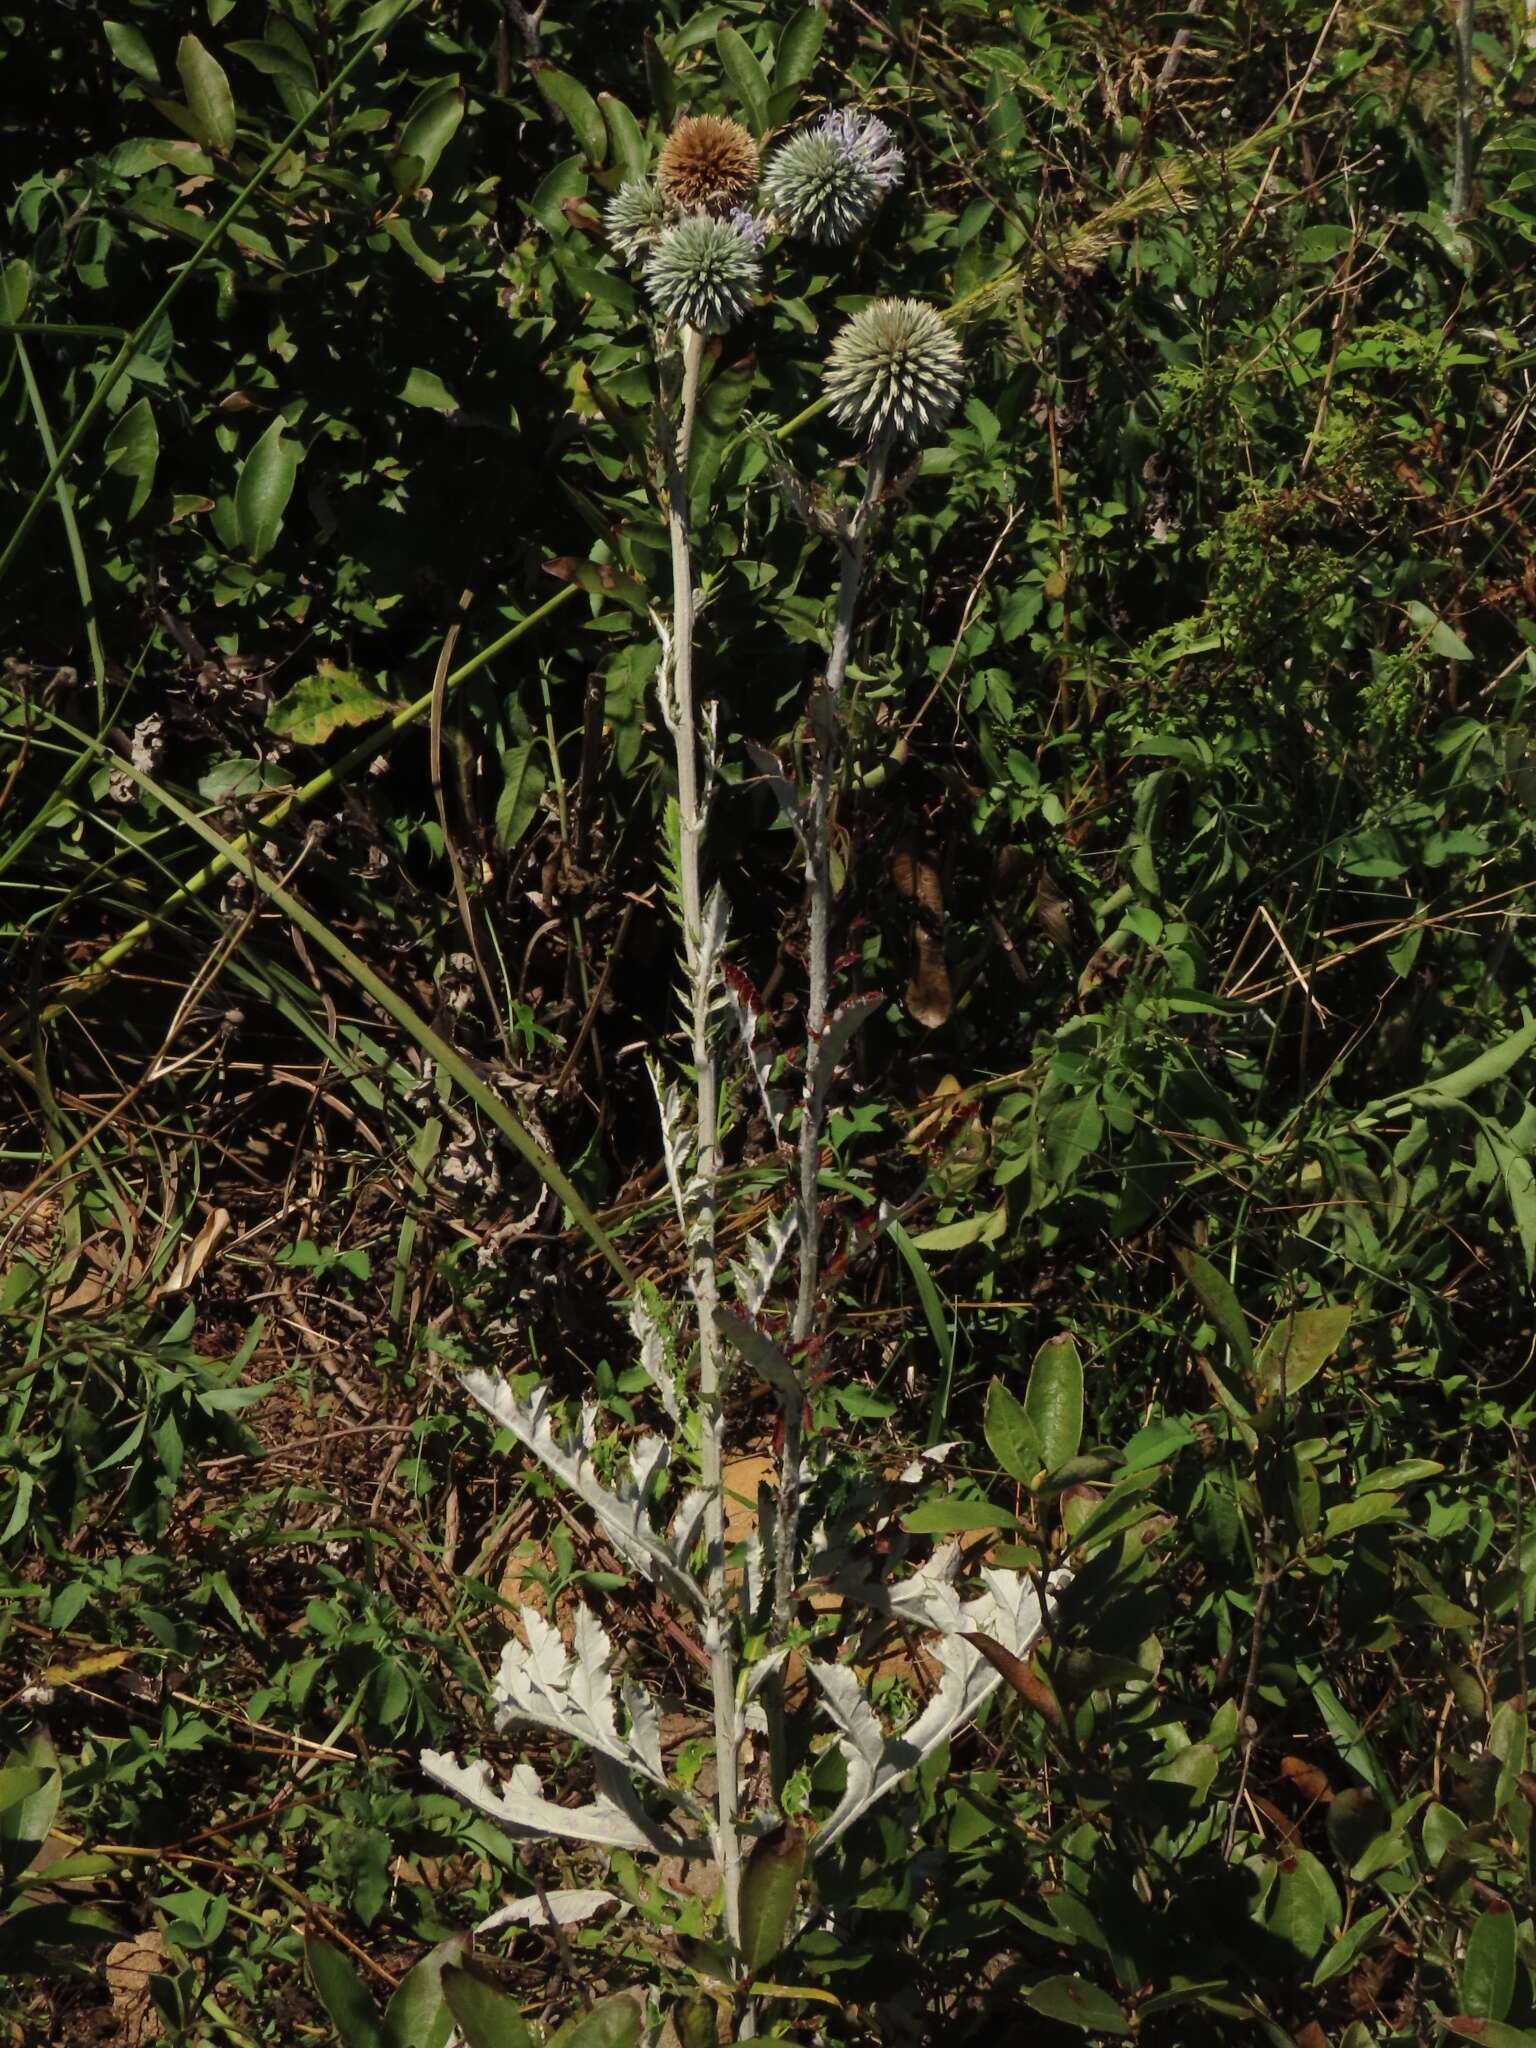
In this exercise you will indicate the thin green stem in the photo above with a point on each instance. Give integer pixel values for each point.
(66, 501)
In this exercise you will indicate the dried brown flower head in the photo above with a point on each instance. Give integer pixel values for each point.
(708, 165)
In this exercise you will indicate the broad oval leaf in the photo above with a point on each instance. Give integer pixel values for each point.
(131, 51)
(770, 1885)
(952, 1517)
(209, 99)
(799, 47)
(748, 80)
(523, 783)
(570, 98)
(614, 2023)
(1214, 1293)
(1053, 1400)
(264, 488)
(487, 2016)
(429, 128)
(418, 2014)
(1011, 1436)
(631, 151)
(1298, 1347)
(133, 446)
(341, 1992)
(1080, 2004)
(1488, 1968)
(15, 288)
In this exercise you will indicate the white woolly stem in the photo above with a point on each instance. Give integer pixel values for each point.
(826, 728)
(703, 1277)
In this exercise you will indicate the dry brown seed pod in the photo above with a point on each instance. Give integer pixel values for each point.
(708, 164)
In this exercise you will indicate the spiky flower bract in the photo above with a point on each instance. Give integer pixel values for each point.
(867, 137)
(895, 368)
(703, 273)
(707, 165)
(635, 216)
(826, 182)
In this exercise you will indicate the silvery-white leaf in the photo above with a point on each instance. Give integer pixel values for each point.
(651, 1339)
(625, 1515)
(676, 1137)
(558, 1909)
(759, 1676)
(1008, 1609)
(519, 1805)
(759, 1351)
(765, 1255)
(712, 937)
(644, 1728)
(684, 1532)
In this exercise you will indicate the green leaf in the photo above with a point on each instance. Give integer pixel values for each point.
(770, 1884)
(210, 102)
(15, 288)
(1349, 1945)
(747, 77)
(1080, 2004)
(1297, 1909)
(1215, 1295)
(133, 446)
(1073, 1132)
(324, 703)
(631, 151)
(799, 47)
(429, 128)
(1297, 1348)
(1443, 640)
(570, 98)
(131, 50)
(418, 2015)
(614, 2023)
(1488, 1968)
(1356, 1819)
(264, 487)
(1053, 1400)
(938, 1324)
(523, 783)
(30, 1785)
(487, 2016)
(1011, 1436)
(953, 1517)
(659, 79)
(1492, 2033)
(339, 1990)
(426, 389)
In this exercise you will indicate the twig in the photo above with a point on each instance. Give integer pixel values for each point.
(826, 715)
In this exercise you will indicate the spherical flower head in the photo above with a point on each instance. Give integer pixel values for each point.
(826, 182)
(895, 369)
(635, 216)
(707, 165)
(703, 273)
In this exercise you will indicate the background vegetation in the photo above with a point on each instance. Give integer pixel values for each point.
(1186, 834)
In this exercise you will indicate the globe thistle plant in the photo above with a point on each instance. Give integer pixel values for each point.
(703, 273)
(708, 165)
(827, 182)
(895, 369)
(635, 217)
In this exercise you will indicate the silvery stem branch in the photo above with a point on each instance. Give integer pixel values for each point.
(701, 947)
(826, 726)
(1466, 92)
